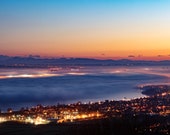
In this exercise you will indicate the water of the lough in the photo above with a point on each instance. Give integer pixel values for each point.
(29, 87)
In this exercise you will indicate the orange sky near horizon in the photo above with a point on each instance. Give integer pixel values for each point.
(146, 48)
(92, 29)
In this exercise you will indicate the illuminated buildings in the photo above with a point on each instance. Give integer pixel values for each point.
(153, 105)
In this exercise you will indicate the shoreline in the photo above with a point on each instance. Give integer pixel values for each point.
(144, 90)
(149, 115)
(154, 89)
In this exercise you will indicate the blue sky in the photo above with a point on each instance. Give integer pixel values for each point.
(83, 23)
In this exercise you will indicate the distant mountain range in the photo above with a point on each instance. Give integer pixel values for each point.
(36, 61)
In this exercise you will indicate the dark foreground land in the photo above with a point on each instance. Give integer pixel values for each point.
(126, 125)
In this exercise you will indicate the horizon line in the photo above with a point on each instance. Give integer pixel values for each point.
(130, 57)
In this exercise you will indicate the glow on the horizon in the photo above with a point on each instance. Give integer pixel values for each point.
(86, 28)
(28, 76)
(76, 73)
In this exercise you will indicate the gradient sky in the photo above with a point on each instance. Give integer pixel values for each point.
(86, 28)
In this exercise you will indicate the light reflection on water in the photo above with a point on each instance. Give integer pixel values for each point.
(25, 73)
(20, 87)
(62, 71)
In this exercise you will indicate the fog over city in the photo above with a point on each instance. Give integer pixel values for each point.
(25, 87)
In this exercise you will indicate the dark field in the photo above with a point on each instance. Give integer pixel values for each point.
(128, 125)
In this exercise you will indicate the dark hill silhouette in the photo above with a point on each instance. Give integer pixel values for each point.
(32, 61)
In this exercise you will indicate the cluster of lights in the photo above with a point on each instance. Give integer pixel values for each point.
(71, 118)
(2, 119)
(35, 121)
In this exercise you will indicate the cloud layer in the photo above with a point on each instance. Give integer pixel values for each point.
(72, 88)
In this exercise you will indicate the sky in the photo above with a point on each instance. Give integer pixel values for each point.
(134, 29)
